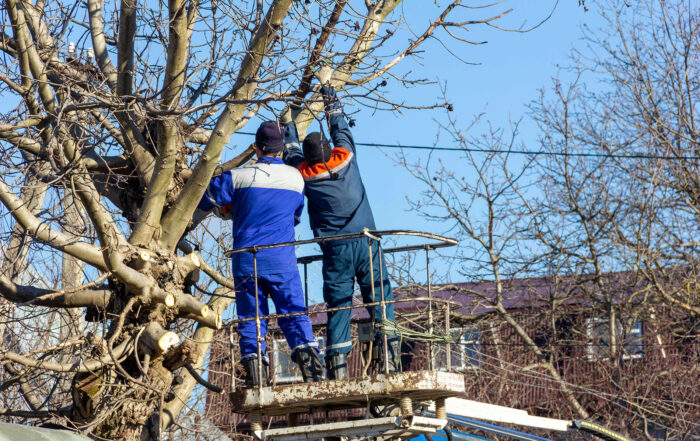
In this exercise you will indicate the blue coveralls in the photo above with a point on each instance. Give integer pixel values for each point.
(265, 201)
(338, 205)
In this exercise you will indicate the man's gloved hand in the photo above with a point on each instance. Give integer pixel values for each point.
(324, 73)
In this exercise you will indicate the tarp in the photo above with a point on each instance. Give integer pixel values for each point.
(16, 432)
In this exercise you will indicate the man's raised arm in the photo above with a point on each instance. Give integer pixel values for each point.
(293, 154)
(340, 130)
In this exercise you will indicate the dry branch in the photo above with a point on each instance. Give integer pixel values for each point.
(91, 297)
(89, 365)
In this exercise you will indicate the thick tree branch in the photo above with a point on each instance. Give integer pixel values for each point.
(203, 337)
(17, 248)
(28, 394)
(28, 49)
(125, 56)
(86, 252)
(175, 222)
(32, 196)
(33, 15)
(91, 161)
(99, 45)
(169, 141)
(133, 138)
(193, 261)
(89, 365)
(236, 162)
(94, 297)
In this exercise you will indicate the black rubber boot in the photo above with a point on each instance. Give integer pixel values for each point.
(250, 365)
(394, 353)
(337, 366)
(309, 364)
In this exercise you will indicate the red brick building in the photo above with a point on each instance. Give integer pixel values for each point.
(544, 345)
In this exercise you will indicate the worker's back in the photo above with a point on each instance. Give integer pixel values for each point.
(336, 196)
(264, 200)
(337, 201)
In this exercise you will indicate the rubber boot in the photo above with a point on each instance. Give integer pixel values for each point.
(250, 365)
(309, 364)
(394, 353)
(337, 366)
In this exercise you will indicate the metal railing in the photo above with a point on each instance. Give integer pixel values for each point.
(372, 236)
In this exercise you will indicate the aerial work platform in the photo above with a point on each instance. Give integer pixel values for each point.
(401, 389)
(377, 429)
(381, 405)
(379, 389)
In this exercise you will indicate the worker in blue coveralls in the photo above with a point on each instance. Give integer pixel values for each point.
(265, 200)
(338, 204)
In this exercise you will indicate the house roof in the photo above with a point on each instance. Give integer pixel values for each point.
(480, 297)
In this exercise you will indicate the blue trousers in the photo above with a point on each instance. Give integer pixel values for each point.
(343, 263)
(287, 295)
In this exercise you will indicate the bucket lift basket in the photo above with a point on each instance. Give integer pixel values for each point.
(401, 389)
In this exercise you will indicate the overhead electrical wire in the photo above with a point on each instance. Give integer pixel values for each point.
(519, 152)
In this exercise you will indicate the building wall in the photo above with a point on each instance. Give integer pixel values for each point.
(659, 375)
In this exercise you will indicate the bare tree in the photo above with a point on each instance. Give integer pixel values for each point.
(642, 122)
(486, 206)
(107, 147)
(622, 185)
(607, 214)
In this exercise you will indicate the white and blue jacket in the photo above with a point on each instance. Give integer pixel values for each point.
(265, 201)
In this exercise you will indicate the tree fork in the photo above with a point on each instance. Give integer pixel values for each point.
(175, 221)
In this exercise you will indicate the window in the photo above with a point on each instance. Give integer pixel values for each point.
(598, 331)
(465, 353)
(285, 369)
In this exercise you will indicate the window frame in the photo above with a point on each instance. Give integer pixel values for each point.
(633, 339)
(464, 346)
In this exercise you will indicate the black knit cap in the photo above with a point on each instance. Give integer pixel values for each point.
(316, 148)
(269, 137)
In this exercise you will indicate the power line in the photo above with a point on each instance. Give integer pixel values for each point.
(530, 152)
(520, 152)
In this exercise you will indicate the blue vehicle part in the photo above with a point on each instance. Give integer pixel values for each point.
(584, 426)
(456, 436)
(492, 428)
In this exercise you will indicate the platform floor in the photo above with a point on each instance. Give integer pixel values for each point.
(376, 429)
(351, 393)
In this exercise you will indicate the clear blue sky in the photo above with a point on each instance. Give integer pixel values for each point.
(511, 68)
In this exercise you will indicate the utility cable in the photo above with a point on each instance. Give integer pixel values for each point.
(520, 152)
